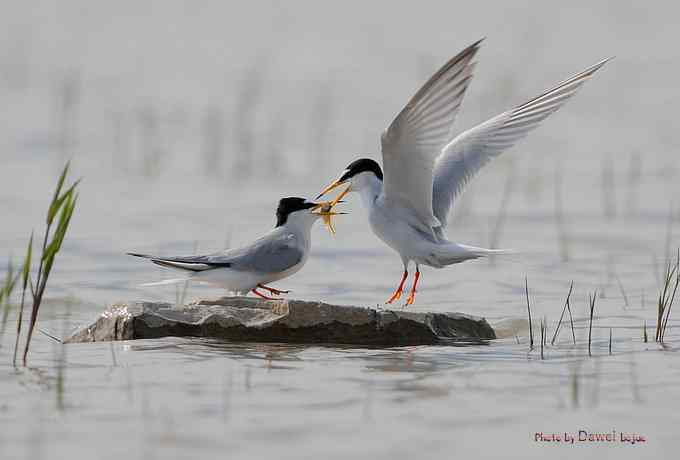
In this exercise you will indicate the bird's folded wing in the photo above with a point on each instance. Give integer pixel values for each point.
(415, 137)
(266, 255)
(465, 155)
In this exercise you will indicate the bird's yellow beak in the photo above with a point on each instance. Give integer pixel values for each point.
(325, 210)
(335, 184)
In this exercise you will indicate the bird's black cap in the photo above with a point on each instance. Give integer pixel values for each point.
(362, 165)
(288, 205)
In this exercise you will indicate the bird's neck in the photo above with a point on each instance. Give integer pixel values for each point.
(300, 226)
(370, 190)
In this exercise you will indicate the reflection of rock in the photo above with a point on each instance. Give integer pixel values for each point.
(297, 321)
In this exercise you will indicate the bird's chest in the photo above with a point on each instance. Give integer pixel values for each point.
(392, 228)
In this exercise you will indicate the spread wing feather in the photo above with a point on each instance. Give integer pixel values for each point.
(465, 155)
(415, 137)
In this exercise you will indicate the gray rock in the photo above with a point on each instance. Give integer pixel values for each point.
(293, 321)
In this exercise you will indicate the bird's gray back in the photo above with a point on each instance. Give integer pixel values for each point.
(274, 252)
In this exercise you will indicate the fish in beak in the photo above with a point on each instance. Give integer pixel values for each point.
(325, 210)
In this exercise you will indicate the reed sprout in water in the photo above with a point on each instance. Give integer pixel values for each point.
(567, 306)
(543, 334)
(671, 281)
(25, 279)
(531, 330)
(6, 294)
(592, 299)
(58, 219)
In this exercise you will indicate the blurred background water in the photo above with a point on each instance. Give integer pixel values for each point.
(189, 120)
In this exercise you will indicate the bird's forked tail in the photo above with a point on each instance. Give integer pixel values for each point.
(454, 253)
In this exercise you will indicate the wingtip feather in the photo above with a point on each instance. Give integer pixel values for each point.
(597, 66)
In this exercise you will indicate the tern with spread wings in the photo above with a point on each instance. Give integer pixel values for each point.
(278, 254)
(426, 168)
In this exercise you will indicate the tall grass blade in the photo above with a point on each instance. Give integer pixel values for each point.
(666, 298)
(531, 330)
(571, 321)
(57, 204)
(6, 294)
(543, 333)
(593, 298)
(675, 289)
(559, 323)
(57, 192)
(62, 205)
(25, 275)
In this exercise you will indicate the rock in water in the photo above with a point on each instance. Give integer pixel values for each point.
(293, 321)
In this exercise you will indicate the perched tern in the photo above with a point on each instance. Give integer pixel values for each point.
(276, 255)
(426, 167)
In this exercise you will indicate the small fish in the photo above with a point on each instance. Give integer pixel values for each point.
(326, 212)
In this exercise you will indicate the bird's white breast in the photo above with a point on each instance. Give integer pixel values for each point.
(391, 225)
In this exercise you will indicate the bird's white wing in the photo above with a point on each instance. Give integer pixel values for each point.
(415, 137)
(465, 155)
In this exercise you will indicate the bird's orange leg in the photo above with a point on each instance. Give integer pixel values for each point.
(400, 289)
(272, 290)
(412, 295)
(259, 294)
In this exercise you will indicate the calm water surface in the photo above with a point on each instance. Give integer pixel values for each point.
(189, 124)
